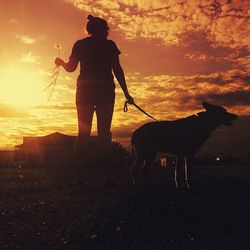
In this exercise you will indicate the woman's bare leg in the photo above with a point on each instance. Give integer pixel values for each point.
(104, 115)
(85, 116)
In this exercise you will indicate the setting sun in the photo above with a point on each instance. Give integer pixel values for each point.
(20, 88)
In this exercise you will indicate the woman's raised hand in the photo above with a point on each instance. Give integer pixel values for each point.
(59, 61)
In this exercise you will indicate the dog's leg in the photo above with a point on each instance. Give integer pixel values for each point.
(175, 172)
(180, 172)
(186, 173)
(137, 164)
(144, 170)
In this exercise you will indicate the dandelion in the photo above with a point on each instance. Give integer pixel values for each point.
(58, 47)
(54, 73)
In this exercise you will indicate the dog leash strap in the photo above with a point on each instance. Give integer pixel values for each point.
(125, 109)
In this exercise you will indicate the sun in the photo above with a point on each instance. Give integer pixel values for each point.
(20, 87)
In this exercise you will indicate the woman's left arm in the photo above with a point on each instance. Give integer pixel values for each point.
(119, 74)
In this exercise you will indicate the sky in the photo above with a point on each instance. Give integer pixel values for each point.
(175, 54)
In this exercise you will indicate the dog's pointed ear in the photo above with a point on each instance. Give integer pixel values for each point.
(207, 106)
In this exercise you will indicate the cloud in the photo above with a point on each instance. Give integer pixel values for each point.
(234, 98)
(227, 80)
(30, 58)
(7, 111)
(14, 21)
(224, 22)
(26, 39)
(170, 97)
(197, 37)
(61, 106)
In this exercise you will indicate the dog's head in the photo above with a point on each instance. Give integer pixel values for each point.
(219, 114)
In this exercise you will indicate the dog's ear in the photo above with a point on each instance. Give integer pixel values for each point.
(207, 106)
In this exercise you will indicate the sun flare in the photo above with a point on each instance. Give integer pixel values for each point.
(20, 87)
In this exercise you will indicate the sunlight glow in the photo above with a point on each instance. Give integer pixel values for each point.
(21, 87)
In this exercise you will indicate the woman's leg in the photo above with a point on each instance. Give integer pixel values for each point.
(104, 113)
(85, 116)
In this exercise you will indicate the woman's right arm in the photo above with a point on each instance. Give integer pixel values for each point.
(69, 66)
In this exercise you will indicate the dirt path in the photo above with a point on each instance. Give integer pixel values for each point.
(41, 209)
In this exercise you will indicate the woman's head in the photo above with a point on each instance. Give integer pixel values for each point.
(97, 26)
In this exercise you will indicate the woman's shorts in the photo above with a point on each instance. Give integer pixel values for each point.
(87, 96)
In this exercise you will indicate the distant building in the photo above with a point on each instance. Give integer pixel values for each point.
(6, 158)
(56, 149)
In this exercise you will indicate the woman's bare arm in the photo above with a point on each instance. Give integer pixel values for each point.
(119, 74)
(69, 66)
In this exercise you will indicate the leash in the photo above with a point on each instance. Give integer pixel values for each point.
(125, 109)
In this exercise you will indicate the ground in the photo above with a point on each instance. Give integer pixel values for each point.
(41, 209)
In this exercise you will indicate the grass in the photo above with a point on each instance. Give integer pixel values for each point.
(41, 209)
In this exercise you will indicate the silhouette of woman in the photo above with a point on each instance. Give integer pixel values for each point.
(98, 56)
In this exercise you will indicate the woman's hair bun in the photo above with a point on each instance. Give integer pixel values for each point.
(96, 25)
(90, 17)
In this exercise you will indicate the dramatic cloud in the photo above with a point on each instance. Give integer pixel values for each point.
(223, 21)
(166, 94)
(234, 98)
(178, 37)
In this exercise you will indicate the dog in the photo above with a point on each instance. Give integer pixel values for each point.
(182, 138)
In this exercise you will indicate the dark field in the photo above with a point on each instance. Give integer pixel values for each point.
(41, 209)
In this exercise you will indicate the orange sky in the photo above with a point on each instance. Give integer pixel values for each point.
(175, 55)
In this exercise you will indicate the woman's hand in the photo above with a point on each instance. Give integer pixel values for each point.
(59, 61)
(129, 98)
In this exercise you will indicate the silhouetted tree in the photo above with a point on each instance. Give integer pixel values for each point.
(122, 157)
